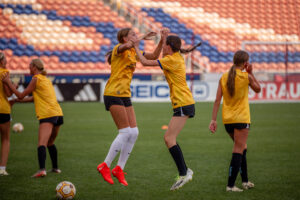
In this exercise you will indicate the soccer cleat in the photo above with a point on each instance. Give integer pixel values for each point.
(181, 180)
(233, 189)
(54, 170)
(104, 170)
(40, 173)
(3, 172)
(119, 174)
(247, 185)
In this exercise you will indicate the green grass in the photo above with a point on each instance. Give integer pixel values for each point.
(273, 155)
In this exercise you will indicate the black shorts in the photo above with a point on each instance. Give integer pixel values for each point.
(185, 111)
(56, 121)
(111, 100)
(230, 127)
(4, 118)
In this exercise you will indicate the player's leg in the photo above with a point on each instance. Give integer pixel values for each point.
(175, 126)
(127, 146)
(5, 144)
(240, 141)
(132, 137)
(52, 148)
(45, 130)
(119, 116)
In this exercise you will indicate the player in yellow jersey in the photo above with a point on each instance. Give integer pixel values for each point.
(5, 110)
(233, 87)
(173, 66)
(117, 95)
(48, 112)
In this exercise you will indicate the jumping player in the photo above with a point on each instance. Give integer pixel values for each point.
(173, 66)
(117, 95)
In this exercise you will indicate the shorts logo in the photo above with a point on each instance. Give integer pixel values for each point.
(248, 126)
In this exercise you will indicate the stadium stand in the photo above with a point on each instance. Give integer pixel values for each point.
(72, 36)
(222, 26)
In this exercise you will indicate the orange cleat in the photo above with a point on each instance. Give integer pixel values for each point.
(104, 170)
(40, 173)
(119, 174)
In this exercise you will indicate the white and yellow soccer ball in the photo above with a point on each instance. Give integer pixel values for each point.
(18, 127)
(65, 190)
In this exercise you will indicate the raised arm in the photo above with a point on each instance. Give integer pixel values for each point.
(142, 59)
(155, 54)
(27, 91)
(213, 123)
(125, 46)
(254, 84)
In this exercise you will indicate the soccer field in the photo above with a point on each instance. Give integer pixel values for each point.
(273, 155)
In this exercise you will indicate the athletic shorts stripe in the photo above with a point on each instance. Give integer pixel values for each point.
(230, 127)
(188, 110)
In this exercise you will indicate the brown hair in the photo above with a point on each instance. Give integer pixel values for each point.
(239, 58)
(121, 34)
(1, 56)
(38, 63)
(175, 44)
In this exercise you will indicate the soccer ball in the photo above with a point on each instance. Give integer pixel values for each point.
(18, 127)
(65, 190)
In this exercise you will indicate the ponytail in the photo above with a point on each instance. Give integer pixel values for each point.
(44, 72)
(231, 81)
(184, 51)
(38, 63)
(108, 55)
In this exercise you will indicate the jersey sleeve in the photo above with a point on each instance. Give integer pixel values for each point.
(164, 63)
(5, 73)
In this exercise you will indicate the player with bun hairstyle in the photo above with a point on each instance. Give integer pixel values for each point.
(117, 101)
(5, 110)
(48, 112)
(233, 87)
(173, 66)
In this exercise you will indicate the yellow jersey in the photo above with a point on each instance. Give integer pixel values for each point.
(4, 104)
(174, 69)
(236, 109)
(122, 68)
(45, 101)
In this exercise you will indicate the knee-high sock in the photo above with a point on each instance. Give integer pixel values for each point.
(116, 145)
(42, 156)
(53, 155)
(244, 170)
(128, 146)
(177, 155)
(234, 168)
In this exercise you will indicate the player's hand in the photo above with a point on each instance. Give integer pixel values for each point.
(249, 68)
(213, 126)
(148, 36)
(164, 32)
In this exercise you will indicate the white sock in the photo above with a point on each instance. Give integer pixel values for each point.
(128, 146)
(116, 145)
(3, 167)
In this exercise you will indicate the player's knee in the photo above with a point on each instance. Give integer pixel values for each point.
(134, 132)
(169, 140)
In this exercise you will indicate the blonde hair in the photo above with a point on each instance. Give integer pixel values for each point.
(38, 63)
(239, 58)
